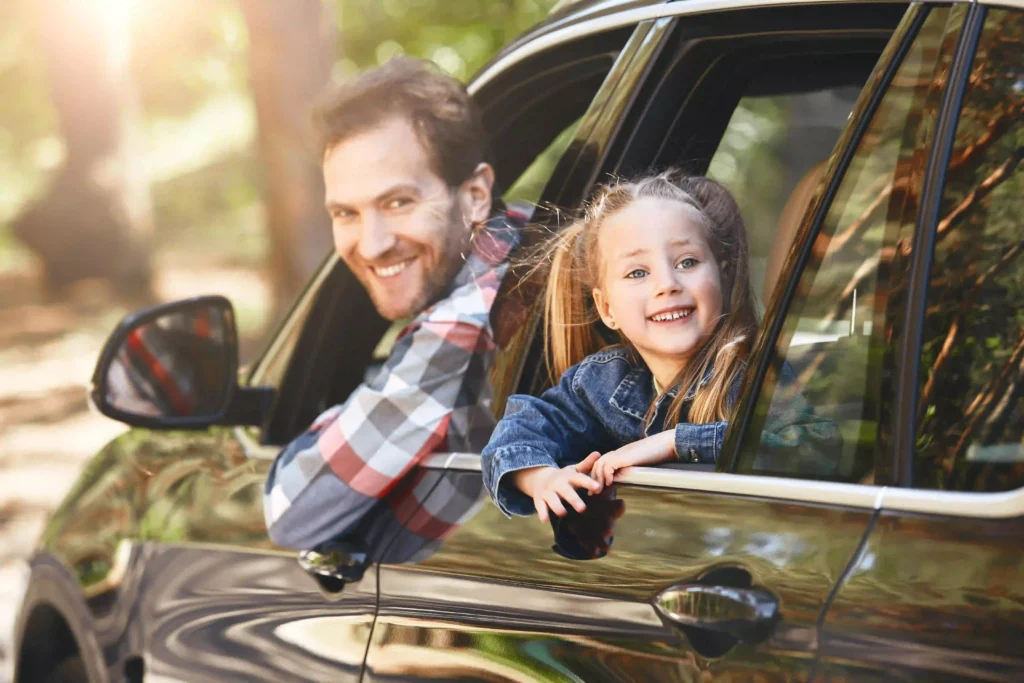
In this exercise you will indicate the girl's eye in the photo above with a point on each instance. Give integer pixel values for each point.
(636, 273)
(687, 263)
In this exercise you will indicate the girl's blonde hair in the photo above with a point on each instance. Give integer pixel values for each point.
(571, 331)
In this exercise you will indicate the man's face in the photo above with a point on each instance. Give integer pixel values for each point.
(396, 223)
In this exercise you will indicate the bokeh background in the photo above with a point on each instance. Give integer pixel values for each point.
(152, 150)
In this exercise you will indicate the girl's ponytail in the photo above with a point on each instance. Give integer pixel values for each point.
(569, 333)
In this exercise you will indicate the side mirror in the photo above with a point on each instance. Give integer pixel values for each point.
(175, 366)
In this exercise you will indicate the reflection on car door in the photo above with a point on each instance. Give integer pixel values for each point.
(520, 600)
(169, 545)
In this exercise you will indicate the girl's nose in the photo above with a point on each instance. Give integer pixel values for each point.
(667, 281)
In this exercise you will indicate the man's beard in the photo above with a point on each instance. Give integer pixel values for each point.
(454, 252)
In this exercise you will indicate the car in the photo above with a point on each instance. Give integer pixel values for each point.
(874, 148)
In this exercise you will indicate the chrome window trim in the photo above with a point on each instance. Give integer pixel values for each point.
(1013, 4)
(253, 449)
(639, 14)
(1003, 505)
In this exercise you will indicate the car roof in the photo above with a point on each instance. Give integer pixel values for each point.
(573, 18)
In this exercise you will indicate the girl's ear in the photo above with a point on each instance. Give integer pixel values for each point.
(603, 308)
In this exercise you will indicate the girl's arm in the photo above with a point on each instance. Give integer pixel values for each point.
(553, 431)
(649, 451)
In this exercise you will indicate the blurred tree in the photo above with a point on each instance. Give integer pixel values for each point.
(291, 50)
(93, 221)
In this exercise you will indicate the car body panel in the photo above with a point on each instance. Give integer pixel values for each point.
(165, 536)
(496, 599)
(931, 597)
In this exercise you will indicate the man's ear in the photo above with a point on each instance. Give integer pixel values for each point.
(476, 194)
(603, 309)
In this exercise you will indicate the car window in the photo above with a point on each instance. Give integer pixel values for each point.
(970, 415)
(836, 345)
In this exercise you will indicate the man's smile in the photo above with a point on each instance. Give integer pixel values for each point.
(386, 272)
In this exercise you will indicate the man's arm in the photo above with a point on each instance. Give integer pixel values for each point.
(325, 481)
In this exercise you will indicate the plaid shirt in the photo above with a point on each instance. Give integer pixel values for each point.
(432, 395)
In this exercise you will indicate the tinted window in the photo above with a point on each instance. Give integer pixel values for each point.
(970, 433)
(843, 324)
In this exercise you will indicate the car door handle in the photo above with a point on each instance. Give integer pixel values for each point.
(747, 614)
(334, 566)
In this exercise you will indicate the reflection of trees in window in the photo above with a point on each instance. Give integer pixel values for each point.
(844, 323)
(970, 419)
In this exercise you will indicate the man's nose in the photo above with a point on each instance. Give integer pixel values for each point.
(375, 239)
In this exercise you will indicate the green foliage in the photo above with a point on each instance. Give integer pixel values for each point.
(460, 35)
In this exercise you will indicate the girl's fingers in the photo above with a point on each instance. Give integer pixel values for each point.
(582, 481)
(541, 507)
(568, 493)
(587, 463)
(554, 504)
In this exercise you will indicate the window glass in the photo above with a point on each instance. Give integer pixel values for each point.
(525, 192)
(834, 354)
(771, 157)
(970, 419)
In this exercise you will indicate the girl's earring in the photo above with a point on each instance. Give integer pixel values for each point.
(612, 325)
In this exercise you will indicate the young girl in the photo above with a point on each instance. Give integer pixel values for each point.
(662, 262)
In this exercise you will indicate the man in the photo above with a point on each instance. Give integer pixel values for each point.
(409, 196)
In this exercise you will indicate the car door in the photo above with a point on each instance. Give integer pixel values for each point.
(679, 573)
(937, 590)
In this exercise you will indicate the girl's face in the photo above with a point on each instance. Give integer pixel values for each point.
(660, 284)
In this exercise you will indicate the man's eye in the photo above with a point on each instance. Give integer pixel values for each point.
(636, 274)
(687, 263)
(341, 214)
(397, 203)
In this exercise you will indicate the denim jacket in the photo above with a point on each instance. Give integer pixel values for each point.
(600, 405)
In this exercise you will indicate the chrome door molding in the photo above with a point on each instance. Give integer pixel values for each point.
(1004, 505)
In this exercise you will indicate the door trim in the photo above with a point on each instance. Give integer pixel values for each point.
(1004, 505)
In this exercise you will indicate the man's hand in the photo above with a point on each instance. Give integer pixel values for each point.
(654, 449)
(549, 486)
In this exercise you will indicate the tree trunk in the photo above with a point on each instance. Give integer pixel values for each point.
(291, 50)
(94, 219)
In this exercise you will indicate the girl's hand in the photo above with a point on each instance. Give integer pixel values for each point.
(549, 486)
(654, 449)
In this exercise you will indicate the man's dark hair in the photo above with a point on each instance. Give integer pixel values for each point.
(444, 118)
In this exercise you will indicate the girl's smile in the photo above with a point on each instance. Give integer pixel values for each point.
(673, 314)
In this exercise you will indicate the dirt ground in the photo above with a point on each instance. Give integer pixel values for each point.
(47, 431)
